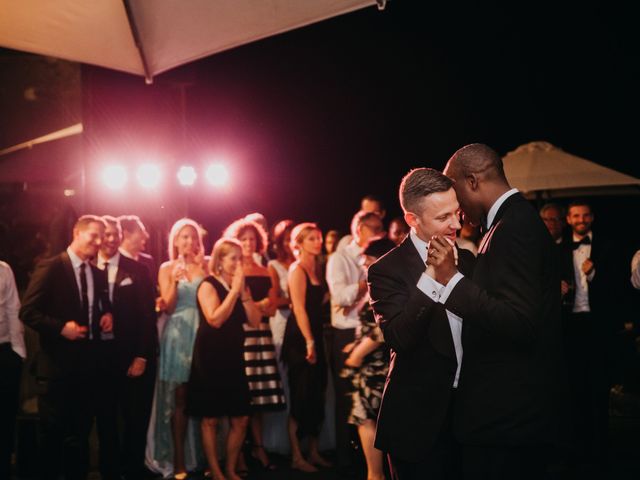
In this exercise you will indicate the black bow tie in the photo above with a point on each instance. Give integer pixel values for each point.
(585, 241)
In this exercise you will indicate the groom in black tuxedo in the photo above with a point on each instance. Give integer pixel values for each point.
(513, 382)
(66, 302)
(414, 423)
(136, 345)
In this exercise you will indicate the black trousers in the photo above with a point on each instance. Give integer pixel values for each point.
(342, 388)
(504, 463)
(586, 349)
(68, 404)
(134, 405)
(442, 462)
(10, 369)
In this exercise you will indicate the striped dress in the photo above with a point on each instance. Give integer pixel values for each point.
(261, 365)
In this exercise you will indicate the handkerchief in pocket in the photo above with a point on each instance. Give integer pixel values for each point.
(125, 282)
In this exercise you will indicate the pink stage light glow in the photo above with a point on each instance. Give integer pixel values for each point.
(187, 176)
(149, 175)
(217, 175)
(114, 177)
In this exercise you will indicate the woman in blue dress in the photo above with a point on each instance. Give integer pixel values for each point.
(179, 279)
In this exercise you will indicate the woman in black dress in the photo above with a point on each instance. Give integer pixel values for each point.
(218, 384)
(303, 349)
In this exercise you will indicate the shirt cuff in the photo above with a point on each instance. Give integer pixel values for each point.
(591, 275)
(450, 286)
(429, 287)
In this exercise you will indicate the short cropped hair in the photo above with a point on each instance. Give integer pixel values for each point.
(419, 183)
(85, 220)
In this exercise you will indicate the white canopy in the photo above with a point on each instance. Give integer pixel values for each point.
(541, 169)
(148, 37)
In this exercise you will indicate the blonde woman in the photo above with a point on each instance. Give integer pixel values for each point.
(179, 279)
(218, 384)
(303, 347)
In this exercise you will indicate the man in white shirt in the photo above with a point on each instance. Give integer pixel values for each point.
(12, 353)
(347, 283)
(592, 305)
(415, 419)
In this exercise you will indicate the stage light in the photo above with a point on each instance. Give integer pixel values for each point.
(114, 176)
(187, 176)
(217, 175)
(149, 175)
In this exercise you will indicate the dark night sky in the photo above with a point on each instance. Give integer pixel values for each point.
(313, 119)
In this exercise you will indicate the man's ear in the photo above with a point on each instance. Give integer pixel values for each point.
(473, 181)
(411, 219)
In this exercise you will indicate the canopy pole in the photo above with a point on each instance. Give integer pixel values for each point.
(148, 77)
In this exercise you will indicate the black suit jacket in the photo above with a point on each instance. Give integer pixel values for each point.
(418, 389)
(611, 297)
(134, 316)
(511, 388)
(149, 262)
(52, 299)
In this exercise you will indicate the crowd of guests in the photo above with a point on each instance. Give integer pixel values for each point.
(207, 360)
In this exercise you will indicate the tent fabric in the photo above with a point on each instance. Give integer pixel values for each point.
(170, 32)
(539, 168)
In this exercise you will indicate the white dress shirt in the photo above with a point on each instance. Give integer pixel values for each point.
(112, 272)
(76, 261)
(440, 293)
(493, 211)
(11, 328)
(580, 254)
(344, 273)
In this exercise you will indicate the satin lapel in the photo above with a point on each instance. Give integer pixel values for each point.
(71, 278)
(414, 261)
(121, 274)
(439, 332)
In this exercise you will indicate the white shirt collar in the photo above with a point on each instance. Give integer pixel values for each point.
(127, 254)
(576, 239)
(76, 261)
(497, 204)
(113, 261)
(421, 245)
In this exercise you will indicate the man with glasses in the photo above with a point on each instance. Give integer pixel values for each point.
(553, 218)
(348, 287)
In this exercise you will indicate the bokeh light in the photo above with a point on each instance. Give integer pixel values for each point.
(114, 176)
(187, 176)
(217, 175)
(149, 175)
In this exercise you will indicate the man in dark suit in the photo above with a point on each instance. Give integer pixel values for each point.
(414, 423)
(65, 303)
(596, 304)
(511, 386)
(134, 327)
(134, 241)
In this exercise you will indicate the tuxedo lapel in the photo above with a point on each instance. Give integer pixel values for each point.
(71, 278)
(439, 331)
(121, 274)
(413, 260)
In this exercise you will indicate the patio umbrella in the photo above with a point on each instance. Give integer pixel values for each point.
(148, 37)
(541, 170)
